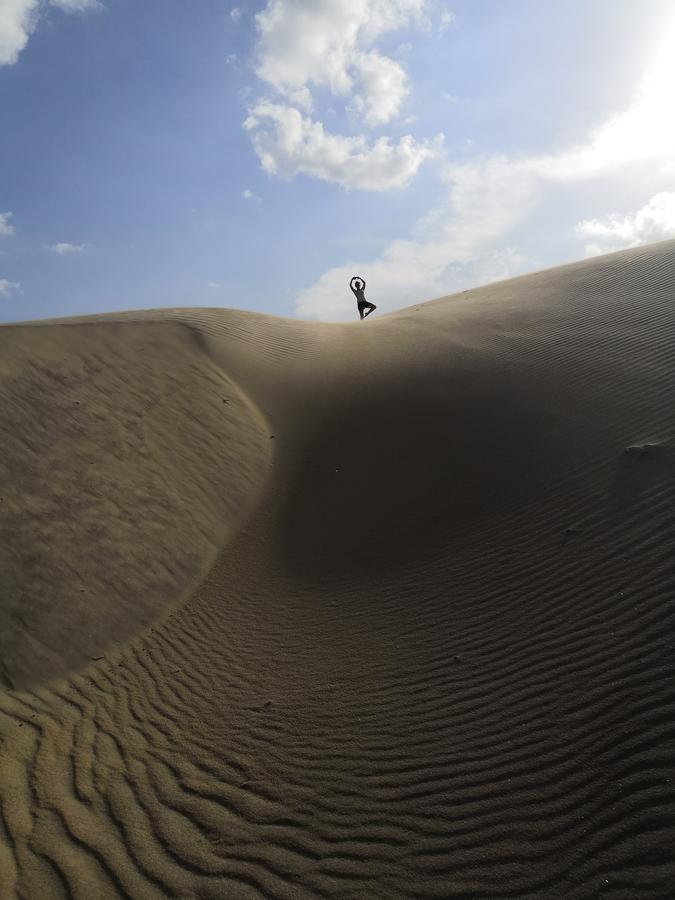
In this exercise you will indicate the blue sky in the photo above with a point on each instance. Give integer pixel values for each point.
(201, 153)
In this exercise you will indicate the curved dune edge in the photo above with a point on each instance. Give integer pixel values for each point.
(129, 459)
(436, 661)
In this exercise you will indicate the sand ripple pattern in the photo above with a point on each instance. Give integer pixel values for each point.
(436, 660)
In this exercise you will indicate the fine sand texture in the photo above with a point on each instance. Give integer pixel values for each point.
(377, 610)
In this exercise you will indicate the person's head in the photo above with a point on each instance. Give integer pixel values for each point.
(358, 284)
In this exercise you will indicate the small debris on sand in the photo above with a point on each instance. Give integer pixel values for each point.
(640, 450)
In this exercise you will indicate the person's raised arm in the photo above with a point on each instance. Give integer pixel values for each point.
(363, 281)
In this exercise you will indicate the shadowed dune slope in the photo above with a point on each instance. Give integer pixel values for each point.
(433, 656)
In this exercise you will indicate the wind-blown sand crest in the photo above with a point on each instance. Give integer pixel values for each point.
(371, 610)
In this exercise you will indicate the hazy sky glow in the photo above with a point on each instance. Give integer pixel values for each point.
(168, 153)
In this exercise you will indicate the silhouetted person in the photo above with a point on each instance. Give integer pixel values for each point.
(358, 286)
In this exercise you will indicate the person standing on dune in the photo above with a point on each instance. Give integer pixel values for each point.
(358, 286)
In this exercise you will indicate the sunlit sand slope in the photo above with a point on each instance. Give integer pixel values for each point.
(126, 457)
(434, 654)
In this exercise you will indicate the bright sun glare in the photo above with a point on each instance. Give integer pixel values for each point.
(647, 129)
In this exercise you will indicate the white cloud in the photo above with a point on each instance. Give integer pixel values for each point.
(655, 221)
(235, 14)
(383, 88)
(6, 228)
(289, 144)
(8, 287)
(329, 43)
(594, 250)
(18, 19)
(213, 284)
(64, 248)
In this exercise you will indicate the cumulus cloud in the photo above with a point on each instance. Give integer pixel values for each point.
(235, 14)
(289, 144)
(6, 227)
(655, 221)
(383, 88)
(18, 19)
(329, 43)
(64, 247)
(8, 287)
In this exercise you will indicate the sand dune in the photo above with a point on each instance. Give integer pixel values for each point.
(369, 610)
